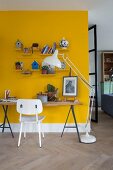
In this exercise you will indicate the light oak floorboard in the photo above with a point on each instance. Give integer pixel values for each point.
(58, 153)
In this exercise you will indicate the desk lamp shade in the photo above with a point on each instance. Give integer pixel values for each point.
(53, 60)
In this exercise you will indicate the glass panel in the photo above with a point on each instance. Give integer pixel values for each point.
(92, 82)
(91, 39)
(91, 62)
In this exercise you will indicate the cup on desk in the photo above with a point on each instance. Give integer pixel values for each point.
(7, 94)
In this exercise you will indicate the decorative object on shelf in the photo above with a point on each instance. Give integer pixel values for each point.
(52, 92)
(70, 86)
(19, 44)
(53, 60)
(18, 65)
(27, 71)
(26, 50)
(64, 43)
(45, 69)
(43, 97)
(35, 65)
(35, 46)
(7, 94)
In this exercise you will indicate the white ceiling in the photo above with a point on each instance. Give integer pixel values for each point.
(100, 13)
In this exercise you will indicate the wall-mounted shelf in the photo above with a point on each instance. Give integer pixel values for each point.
(60, 70)
(26, 54)
(63, 49)
(36, 55)
(45, 54)
(18, 70)
(48, 74)
(35, 70)
(25, 57)
(19, 49)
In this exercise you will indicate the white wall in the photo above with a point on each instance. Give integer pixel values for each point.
(102, 16)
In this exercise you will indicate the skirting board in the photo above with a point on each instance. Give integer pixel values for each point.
(49, 127)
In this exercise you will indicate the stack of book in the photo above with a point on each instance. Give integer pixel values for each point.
(48, 50)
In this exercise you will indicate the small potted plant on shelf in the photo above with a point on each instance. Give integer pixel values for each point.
(45, 69)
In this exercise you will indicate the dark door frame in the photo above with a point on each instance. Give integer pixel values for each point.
(94, 50)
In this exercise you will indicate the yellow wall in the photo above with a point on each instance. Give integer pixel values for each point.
(44, 27)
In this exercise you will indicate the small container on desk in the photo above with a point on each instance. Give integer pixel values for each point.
(43, 97)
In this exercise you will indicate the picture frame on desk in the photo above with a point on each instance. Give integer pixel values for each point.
(70, 86)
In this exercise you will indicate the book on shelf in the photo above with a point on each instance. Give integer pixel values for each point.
(43, 49)
(54, 47)
(46, 49)
(50, 51)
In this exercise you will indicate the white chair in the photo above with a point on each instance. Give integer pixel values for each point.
(29, 110)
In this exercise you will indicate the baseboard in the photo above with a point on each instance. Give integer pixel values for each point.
(50, 127)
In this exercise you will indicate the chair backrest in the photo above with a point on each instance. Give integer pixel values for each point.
(29, 106)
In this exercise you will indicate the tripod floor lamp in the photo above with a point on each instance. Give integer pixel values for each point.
(54, 61)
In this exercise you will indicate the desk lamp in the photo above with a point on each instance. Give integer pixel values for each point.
(54, 61)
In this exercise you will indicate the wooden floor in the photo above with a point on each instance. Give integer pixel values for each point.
(60, 153)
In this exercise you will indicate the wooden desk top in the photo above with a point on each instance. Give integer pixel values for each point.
(8, 102)
(59, 103)
(62, 103)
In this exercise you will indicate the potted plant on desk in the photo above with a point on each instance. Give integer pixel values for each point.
(45, 69)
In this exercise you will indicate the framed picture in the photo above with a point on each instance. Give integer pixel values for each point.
(70, 86)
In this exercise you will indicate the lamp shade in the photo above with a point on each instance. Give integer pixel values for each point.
(53, 60)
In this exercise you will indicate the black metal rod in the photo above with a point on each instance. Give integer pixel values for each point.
(6, 118)
(95, 57)
(72, 107)
(96, 101)
(92, 27)
(1, 126)
(66, 122)
(92, 50)
(74, 117)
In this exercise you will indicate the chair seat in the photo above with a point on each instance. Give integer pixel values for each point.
(31, 118)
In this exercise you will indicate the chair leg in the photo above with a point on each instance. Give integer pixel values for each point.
(42, 131)
(20, 134)
(39, 132)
